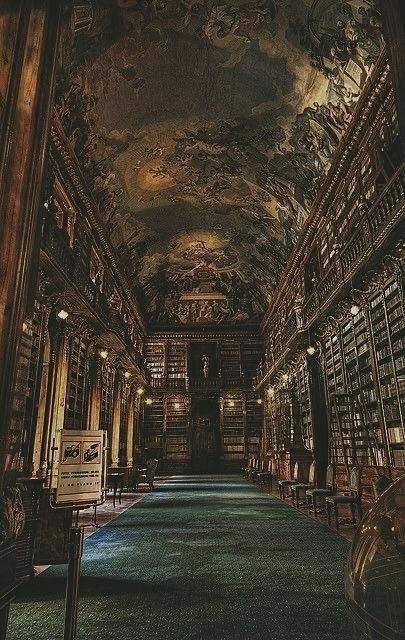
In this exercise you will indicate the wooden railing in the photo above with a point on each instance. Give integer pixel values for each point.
(368, 231)
(56, 245)
(168, 383)
(199, 384)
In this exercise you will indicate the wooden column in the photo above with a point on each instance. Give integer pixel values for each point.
(124, 423)
(130, 434)
(393, 15)
(95, 382)
(187, 367)
(165, 358)
(377, 386)
(319, 418)
(188, 407)
(164, 425)
(115, 432)
(58, 391)
(245, 434)
(35, 417)
(56, 358)
(29, 35)
(136, 438)
(43, 380)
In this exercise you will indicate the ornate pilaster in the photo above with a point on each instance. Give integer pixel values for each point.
(95, 382)
(55, 390)
(130, 428)
(27, 90)
(115, 432)
(319, 416)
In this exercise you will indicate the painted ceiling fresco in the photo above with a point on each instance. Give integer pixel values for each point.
(206, 129)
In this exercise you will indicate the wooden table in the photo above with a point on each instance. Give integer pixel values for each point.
(115, 481)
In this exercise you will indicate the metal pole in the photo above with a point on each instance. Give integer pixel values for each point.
(72, 587)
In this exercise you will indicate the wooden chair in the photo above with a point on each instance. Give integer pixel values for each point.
(115, 483)
(147, 476)
(283, 484)
(134, 477)
(267, 474)
(254, 467)
(353, 499)
(312, 495)
(256, 472)
(302, 487)
(245, 470)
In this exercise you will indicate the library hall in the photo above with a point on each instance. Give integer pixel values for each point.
(202, 329)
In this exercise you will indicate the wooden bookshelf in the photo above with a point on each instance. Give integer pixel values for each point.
(280, 420)
(364, 358)
(300, 382)
(176, 427)
(77, 386)
(107, 399)
(388, 333)
(122, 448)
(233, 425)
(176, 359)
(352, 439)
(250, 352)
(155, 359)
(153, 423)
(24, 410)
(254, 425)
(230, 358)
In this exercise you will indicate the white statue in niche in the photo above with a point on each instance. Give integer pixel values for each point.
(205, 365)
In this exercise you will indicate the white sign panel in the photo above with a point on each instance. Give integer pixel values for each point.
(80, 473)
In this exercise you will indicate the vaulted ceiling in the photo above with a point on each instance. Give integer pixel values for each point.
(205, 130)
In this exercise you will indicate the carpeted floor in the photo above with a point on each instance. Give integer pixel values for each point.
(201, 558)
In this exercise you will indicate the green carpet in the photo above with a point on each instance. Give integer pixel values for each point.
(205, 557)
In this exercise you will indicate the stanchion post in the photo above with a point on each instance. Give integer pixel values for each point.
(72, 587)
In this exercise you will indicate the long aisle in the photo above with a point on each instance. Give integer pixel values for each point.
(204, 557)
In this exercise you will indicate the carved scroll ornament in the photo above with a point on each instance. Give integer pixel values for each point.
(12, 515)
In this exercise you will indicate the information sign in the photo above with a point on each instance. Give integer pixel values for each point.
(81, 467)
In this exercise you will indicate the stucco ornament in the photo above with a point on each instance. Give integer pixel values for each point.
(12, 514)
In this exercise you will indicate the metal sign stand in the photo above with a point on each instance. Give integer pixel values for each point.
(76, 545)
(72, 587)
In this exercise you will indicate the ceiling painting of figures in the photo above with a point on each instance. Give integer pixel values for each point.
(204, 129)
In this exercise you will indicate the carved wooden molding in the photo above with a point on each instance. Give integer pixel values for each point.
(12, 515)
(71, 166)
(371, 96)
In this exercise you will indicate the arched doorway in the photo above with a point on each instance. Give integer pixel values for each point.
(205, 434)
